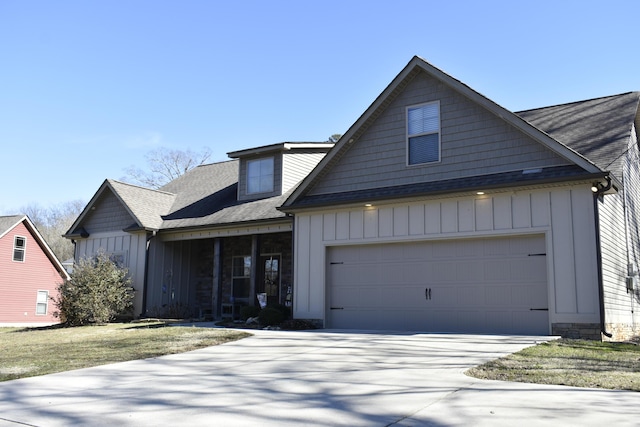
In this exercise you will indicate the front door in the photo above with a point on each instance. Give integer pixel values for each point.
(270, 278)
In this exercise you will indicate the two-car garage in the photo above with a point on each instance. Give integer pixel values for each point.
(480, 285)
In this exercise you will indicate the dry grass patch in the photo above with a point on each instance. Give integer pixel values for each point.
(577, 363)
(37, 351)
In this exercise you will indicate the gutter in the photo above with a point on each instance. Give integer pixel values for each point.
(596, 196)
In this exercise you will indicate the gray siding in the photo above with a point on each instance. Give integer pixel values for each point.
(473, 141)
(619, 217)
(242, 178)
(297, 165)
(169, 282)
(131, 246)
(108, 215)
(564, 214)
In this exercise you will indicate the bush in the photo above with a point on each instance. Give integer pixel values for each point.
(270, 316)
(97, 292)
(286, 311)
(248, 311)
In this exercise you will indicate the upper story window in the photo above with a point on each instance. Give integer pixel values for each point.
(423, 133)
(19, 245)
(260, 175)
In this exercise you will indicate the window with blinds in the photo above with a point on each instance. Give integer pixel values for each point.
(423, 133)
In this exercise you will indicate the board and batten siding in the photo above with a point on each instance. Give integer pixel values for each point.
(170, 275)
(563, 214)
(131, 246)
(474, 142)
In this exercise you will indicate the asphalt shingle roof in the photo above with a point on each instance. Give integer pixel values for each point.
(7, 222)
(145, 204)
(599, 129)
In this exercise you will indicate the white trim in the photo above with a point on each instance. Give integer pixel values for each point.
(46, 303)
(408, 137)
(23, 249)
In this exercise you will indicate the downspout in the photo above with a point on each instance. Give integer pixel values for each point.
(146, 272)
(596, 212)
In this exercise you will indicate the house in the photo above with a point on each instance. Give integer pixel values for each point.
(441, 211)
(31, 274)
(208, 242)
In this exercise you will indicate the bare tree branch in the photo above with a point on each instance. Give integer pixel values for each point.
(165, 165)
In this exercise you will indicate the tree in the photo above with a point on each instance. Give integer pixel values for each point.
(97, 292)
(334, 138)
(53, 222)
(165, 165)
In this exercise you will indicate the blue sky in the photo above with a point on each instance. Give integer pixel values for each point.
(87, 88)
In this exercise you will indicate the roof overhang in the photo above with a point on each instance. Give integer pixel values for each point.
(283, 146)
(461, 187)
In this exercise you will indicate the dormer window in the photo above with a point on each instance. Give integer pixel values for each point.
(423, 133)
(260, 176)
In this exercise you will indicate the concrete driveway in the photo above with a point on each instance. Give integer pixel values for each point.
(318, 378)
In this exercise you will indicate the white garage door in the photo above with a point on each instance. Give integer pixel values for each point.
(496, 285)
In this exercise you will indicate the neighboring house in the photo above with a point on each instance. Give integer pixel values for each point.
(31, 274)
(441, 211)
(208, 242)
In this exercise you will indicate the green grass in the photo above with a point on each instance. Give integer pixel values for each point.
(575, 363)
(27, 352)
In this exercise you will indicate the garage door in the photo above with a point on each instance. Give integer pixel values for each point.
(495, 285)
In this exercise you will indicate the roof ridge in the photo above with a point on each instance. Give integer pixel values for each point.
(111, 181)
(576, 102)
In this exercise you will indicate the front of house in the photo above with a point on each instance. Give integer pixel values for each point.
(437, 211)
(207, 243)
(441, 211)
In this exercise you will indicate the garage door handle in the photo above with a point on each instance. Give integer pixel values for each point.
(337, 308)
(538, 309)
(427, 293)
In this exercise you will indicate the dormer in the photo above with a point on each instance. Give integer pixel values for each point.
(272, 170)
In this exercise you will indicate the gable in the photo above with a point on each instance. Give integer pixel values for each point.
(107, 214)
(474, 142)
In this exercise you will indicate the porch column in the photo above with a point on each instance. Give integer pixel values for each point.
(255, 259)
(216, 290)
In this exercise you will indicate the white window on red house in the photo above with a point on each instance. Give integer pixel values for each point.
(42, 302)
(19, 246)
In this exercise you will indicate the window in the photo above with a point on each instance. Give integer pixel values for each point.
(260, 176)
(42, 302)
(19, 244)
(241, 276)
(423, 133)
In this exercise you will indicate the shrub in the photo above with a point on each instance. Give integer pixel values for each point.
(248, 311)
(97, 292)
(270, 316)
(286, 311)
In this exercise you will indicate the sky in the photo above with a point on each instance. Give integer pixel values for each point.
(89, 87)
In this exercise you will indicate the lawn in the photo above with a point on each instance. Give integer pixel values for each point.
(27, 352)
(575, 363)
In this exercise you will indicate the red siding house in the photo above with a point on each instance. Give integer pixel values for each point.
(30, 275)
